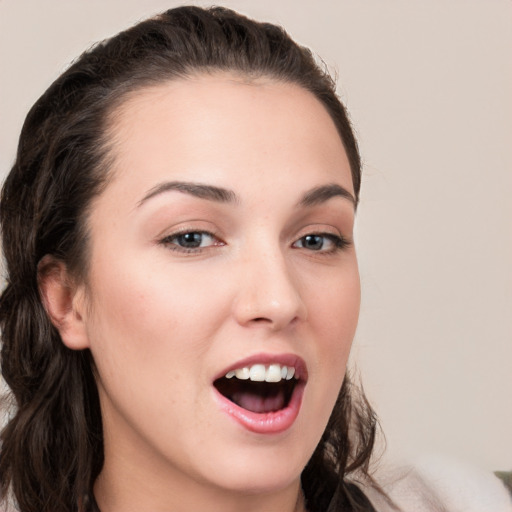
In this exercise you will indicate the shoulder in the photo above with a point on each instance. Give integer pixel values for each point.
(438, 484)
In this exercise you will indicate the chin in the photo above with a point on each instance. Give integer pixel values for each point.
(260, 469)
(263, 480)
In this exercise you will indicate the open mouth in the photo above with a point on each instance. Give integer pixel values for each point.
(260, 389)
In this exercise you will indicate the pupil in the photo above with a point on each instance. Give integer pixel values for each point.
(190, 240)
(313, 242)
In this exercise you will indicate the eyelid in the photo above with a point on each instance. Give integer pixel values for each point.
(319, 228)
(187, 225)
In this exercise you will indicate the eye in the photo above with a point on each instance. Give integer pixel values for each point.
(190, 241)
(321, 242)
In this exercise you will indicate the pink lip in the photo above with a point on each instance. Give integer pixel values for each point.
(271, 422)
(267, 423)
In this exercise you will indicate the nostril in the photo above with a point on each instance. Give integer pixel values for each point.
(274, 324)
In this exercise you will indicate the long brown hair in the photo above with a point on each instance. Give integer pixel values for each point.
(52, 446)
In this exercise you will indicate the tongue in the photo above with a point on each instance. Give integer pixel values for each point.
(259, 404)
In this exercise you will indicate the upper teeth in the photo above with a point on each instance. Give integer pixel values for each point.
(261, 373)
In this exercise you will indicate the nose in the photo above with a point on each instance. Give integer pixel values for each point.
(268, 294)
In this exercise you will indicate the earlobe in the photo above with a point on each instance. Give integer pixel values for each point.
(63, 301)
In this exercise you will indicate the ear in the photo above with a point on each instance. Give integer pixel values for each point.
(64, 302)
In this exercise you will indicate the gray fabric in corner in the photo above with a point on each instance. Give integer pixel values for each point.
(506, 478)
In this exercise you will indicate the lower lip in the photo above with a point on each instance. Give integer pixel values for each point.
(265, 423)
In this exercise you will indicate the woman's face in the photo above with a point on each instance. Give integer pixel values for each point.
(223, 244)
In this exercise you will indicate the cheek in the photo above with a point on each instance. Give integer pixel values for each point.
(334, 306)
(145, 316)
(333, 315)
(149, 331)
(148, 295)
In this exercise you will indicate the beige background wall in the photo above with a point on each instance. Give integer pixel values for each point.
(428, 84)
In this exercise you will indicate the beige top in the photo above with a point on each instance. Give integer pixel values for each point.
(441, 485)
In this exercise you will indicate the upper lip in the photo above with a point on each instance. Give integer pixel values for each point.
(290, 360)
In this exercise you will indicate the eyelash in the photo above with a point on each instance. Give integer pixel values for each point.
(339, 242)
(169, 241)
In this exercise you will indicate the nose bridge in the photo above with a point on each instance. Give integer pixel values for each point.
(268, 291)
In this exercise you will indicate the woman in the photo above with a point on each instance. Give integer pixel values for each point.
(183, 287)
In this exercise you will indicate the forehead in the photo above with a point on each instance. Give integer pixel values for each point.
(229, 127)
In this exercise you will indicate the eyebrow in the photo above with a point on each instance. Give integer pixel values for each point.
(323, 193)
(210, 192)
(312, 197)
